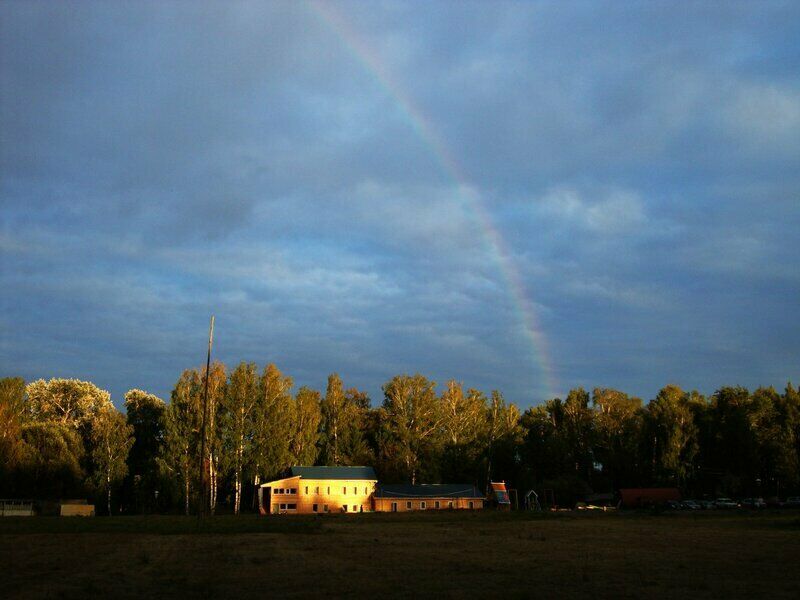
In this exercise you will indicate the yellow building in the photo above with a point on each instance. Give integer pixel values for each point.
(309, 490)
(445, 496)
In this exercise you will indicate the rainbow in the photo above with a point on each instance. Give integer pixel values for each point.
(424, 129)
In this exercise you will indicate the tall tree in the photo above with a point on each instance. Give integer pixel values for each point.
(273, 421)
(334, 417)
(733, 451)
(241, 400)
(463, 423)
(578, 425)
(111, 439)
(217, 382)
(503, 433)
(414, 419)
(305, 426)
(145, 413)
(672, 435)
(618, 422)
(182, 432)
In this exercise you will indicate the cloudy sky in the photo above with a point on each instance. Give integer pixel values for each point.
(527, 196)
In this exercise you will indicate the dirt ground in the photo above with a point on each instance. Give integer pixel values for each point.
(575, 555)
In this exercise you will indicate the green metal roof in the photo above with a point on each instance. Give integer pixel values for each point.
(361, 473)
(431, 490)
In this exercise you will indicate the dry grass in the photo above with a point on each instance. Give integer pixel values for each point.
(385, 555)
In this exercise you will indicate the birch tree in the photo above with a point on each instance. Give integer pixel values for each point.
(672, 435)
(217, 382)
(502, 429)
(182, 433)
(305, 426)
(414, 419)
(241, 400)
(111, 439)
(334, 416)
(463, 422)
(273, 419)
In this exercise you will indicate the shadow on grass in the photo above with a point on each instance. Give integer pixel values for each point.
(160, 525)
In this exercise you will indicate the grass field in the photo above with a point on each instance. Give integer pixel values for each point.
(573, 555)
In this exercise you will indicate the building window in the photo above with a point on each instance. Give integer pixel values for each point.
(408, 505)
(355, 490)
(355, 508)
(344, 507)
(436, 504)
(366, 492)
(314, 507)
(450, 504)
(316, 490)
(344, 491)
(324, 508)
(292, 491)
(283, 507)
(394, 506)
(306, 490)
(422, 505)
(291, 506)
(471, 504)
(329, 490)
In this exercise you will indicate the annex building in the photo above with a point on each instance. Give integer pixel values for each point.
(310, 490)
(445, 496)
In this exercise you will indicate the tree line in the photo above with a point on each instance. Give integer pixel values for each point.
(64, 438)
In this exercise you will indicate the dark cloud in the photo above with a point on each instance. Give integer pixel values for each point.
(163, 161)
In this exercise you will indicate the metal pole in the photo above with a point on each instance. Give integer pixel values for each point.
(203, 496)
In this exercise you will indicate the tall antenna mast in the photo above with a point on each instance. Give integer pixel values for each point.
(203, 495)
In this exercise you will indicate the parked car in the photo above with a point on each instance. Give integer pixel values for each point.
(792, 502)
(690, 505)
(753, 503)
(725, 503)
(706, 504)
(672, 504)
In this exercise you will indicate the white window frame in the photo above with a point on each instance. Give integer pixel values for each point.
(423, 505)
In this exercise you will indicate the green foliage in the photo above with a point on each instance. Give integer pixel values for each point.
(341, 437)
(51, 462)
(111, 440)
(273, 424)
(63, 437)
(12, 418)
(305, 427)
(145, 414)
(182, 426)
(413, 418)
(68, 401)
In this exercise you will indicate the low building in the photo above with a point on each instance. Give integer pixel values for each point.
(309, 490)
(446, 496)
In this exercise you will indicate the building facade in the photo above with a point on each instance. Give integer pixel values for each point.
(310, 490)
(446, 496)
